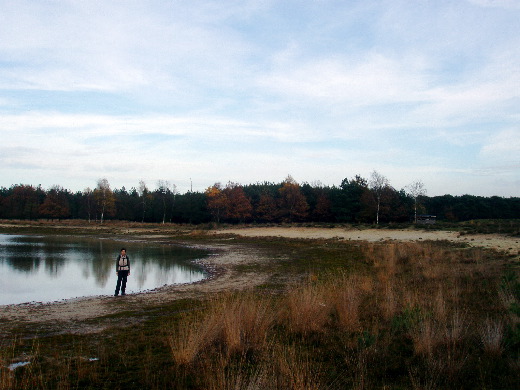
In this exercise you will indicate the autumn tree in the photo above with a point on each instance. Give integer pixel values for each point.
(323, 209)
(377, 184)
(415, 190)
(266, 209)
(23, 201)
(237, 206)
(293, 205)
(216, 201)
(104, 198)
(56, 204)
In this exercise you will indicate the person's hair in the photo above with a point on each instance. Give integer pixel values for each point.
(122, 249)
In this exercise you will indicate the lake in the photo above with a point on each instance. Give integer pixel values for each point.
(51, 268)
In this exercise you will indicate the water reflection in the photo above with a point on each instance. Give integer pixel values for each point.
(47, 268)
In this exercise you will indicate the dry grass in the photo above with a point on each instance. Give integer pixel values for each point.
(410, 322)
(345, 294)
(491, 336)
(306, 309)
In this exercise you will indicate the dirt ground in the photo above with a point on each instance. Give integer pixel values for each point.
(93, 314)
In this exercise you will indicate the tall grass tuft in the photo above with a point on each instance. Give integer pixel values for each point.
(345, 298)
(491, 336)
(307, 309)
(189, 337)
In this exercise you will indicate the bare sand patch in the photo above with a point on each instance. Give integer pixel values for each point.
(508, 244)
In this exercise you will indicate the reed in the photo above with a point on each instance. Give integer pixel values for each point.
(306, 309)
(408, 320)
(491, 336)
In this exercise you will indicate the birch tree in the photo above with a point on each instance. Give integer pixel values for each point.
(174, 192)
(415, 190)
(87, 194)
(377, 184)
(104, 197)
(163, 188)
(143, 194)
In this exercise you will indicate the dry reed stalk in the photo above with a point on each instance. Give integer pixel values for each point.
(307, 309)
(456, 329)
(369, 254)
(295, 370)
(439, 306)
(425, 379)
(246, 322)
(411, 298)
(426, 337)
(346, 298)
(218, 374)
(366, 284)
(491, 335)
(190, 337)
(388, 302)
(508, 299)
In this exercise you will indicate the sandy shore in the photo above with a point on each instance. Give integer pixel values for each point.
(507, 244)
(73, 315)
(92, 314)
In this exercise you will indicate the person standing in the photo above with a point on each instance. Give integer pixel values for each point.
(122, 271)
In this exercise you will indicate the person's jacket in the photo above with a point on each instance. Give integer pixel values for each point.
(122, 263)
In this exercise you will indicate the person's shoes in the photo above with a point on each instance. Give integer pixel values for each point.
(123, 293)
(116, 294)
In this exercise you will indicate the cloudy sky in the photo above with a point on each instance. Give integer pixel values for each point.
(251, 91)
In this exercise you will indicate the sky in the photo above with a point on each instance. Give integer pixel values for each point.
(199, 92)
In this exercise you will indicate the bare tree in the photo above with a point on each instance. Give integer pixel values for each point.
(377, 184)
(416, 189)
(143, 193)
(174, 192)
(87, 192)
(163, 187)
(104, 197)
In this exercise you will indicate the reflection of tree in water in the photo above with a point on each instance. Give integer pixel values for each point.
(28, 264)
(103, 261)
(168, 262)
(20, 255)
(53, 256)
(95, 259)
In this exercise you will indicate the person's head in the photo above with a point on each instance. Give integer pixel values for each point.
(123, 251)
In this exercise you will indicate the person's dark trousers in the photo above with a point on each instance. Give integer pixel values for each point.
(121, 282)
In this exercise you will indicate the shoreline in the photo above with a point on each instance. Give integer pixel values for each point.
(85, 315)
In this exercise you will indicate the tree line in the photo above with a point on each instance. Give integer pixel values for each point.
(354, 200)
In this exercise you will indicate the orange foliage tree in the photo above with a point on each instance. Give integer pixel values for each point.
(238, 206)
(293, 205)
(266, 209)
(230, 203)
(216, 201)
(56, 204)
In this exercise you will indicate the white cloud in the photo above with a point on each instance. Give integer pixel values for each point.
(507, 4)
(374, 80)
(255, 90)
(504, 146)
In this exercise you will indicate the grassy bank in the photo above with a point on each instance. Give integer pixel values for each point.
(357, 315)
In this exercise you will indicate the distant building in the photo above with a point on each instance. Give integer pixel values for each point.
(426, 219)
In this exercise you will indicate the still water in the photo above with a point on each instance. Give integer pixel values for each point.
(49, 268)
